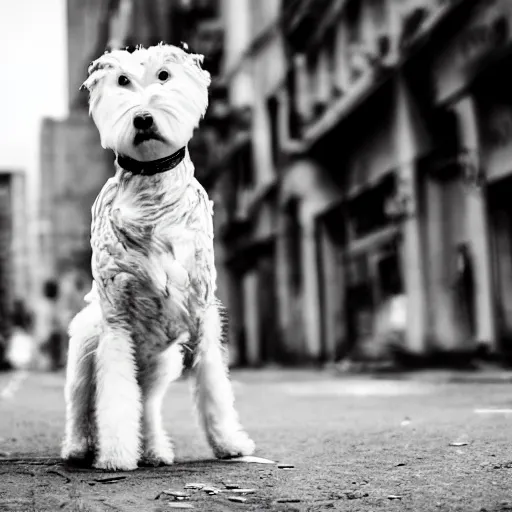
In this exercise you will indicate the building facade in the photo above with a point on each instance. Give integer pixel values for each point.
(357, 154)
(14, 255)
(361, 178)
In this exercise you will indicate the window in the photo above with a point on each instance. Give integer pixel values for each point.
(353, 21)
(245, 167)
(294, 242)
(273, 113)
(294, 122)
(330, 44)
(368, 210)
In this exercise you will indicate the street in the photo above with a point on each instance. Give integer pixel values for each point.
(419, 443)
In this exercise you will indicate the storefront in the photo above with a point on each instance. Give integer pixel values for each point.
(245, 243)
(493, 102)
(360, 255)
(472, 80)
(307, 192)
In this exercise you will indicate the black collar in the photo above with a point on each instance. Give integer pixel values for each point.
(155, 166)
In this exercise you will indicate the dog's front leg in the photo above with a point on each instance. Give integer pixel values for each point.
(158, 447)
(79, 390)
(118, 402)
(214, 394)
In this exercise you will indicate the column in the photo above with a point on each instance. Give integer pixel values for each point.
(237, 22)
(310, 289)
(341, 65)
(334, 290)
(304, 100)
(412, 255)
(237, 35)
(476, 219)
(440, 278)
(324, 80)
(251, 317)
(283, 292)
(261, 143)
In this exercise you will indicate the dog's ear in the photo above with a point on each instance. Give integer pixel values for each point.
(97, 70)
(196, 60)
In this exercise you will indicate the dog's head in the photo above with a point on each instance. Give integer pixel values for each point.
(147, 102)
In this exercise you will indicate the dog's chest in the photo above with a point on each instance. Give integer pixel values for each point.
(159, 237)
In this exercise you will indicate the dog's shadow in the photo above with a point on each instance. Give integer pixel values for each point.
(188, 465)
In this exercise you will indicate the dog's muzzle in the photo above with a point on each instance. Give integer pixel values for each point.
(146, 128)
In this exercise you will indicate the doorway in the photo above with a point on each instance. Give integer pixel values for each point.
(500, 220)
(267, 306)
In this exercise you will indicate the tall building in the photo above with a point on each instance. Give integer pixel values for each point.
(14, 254)
(360, 176)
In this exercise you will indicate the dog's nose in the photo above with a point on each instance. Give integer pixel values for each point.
(143, 121)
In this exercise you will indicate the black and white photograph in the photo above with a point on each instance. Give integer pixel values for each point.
(256, 255)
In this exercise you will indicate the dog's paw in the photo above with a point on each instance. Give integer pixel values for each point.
(115, 464)
(158, 455)
(233, 445)
(79, 454)
(154, 460)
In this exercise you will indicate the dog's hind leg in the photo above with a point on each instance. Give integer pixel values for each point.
(214, 394)
(84, 333)
(154, 381)
(118, 401)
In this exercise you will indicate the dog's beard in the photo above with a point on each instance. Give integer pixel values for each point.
(145, 136)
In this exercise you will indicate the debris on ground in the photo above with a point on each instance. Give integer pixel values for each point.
(110, 479)
(288, 500)
(394, 497)
(285, 466)
(249, 458)
(177, 495)
(500, 465)
(399, 464)
(355, 495)
(195, 486)
(210, 489)
(230, 485)
(406, 421)
(462, 440)
(325, 504)
(237, 499)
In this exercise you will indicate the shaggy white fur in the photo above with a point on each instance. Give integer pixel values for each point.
(152, 308)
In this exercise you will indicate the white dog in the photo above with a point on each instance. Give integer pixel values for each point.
(152, 309)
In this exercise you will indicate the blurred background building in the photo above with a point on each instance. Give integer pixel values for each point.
(14, 253)
(358, 153)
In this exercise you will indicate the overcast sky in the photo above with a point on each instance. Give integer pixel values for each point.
(32, 76)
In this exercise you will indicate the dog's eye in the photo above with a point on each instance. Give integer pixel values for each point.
(123, 80)
(163, 75)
